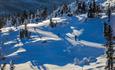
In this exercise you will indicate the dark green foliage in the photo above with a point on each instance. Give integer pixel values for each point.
(109, 46)
(24, 33)
(65, 9)
(51, 23)
(93, 10)
(1, 23)
(109, 13)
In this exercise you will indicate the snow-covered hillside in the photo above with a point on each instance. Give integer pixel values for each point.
(74, 43)
(57, 45)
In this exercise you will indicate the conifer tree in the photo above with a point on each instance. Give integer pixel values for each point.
(109, 12)
(84, 7)
(1, 23)
(109, 44)
(51, 23)
(93, 10)
(44, 14)
(90, 11)
(64, 9)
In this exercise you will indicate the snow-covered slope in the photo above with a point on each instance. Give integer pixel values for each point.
(58, 45)
(76, 43)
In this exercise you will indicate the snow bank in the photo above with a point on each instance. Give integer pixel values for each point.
(23, 66)
(99, 65)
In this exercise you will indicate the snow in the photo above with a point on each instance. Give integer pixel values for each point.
(17, 45)
(112, 3)
(73, 42)
(7, 29)
(46, 40)
(99, 65)
(74, 39)
(24, 66)
(82, 17)
(44, 23)
(48, 34)
(20, 50)
(92, 44)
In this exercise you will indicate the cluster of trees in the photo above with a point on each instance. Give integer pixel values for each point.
(81, 7)
(24, 33)
(65, 9)
(19, 18)
(1, 23)
(109, 45)
(52, 23)
(91, 8)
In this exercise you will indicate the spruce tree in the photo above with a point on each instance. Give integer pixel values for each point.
(109, 13)
(109, 46)
(1, 23)
(44, 13)
(51, 23)
(84, 7)
(79, 7)
(90, 11)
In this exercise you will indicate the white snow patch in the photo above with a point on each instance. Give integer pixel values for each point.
(20, 50)
(91, 44)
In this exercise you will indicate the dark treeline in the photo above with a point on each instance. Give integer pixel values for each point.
(82, 7)
(19, 18)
